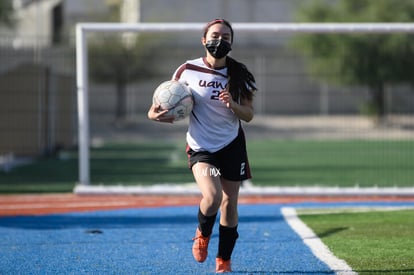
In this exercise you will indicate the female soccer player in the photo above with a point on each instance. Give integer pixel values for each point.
(223, 94)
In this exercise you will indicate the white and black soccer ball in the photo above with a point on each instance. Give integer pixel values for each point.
(174, 96)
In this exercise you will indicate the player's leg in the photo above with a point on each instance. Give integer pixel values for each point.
(234, 169)
(228, 224)
(229, 212)
(210, 187)
(211, 191)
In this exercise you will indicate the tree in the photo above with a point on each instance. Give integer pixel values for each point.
(120, 59)
(373, 60)
(114, 61)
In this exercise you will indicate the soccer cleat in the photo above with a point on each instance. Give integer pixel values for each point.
(223, 266)
(200, 246)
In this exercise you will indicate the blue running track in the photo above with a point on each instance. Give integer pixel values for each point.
(152, 241)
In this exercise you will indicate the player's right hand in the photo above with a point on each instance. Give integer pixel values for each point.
(157, 114)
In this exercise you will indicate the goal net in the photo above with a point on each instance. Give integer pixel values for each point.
(329, 124)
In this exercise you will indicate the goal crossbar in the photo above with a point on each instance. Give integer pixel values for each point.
(82, 57)
(252, 27)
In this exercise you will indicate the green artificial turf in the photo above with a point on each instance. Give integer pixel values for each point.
(273, 162)
(333, 163)
(374, 242)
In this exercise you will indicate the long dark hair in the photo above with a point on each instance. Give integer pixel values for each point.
(241, 81)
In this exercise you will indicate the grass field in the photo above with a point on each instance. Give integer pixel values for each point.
(273, 162)
(372, 242)
(327, 163)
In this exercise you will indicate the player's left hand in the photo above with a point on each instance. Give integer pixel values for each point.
(226, 98)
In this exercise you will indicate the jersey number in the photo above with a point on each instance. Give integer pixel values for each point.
(215, 95)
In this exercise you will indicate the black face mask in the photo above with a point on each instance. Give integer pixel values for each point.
(218, 48)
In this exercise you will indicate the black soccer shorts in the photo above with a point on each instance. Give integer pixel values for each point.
(231, 161)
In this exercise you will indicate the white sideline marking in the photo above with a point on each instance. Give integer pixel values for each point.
(247, 189)
(318, 248)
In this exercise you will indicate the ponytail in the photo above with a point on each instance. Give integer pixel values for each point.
(241, 81)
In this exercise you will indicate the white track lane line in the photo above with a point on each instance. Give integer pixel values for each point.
(318, 248)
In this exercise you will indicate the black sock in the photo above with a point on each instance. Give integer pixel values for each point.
(227, 241)
(206, 223)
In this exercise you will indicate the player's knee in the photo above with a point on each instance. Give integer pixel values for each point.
(213, 200)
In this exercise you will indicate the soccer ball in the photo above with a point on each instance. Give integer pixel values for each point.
(174, 96)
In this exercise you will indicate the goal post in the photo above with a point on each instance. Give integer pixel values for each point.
(82, 57)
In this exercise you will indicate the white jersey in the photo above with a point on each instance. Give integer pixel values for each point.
(212, 125)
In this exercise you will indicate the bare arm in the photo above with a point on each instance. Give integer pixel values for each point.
(244, 110)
